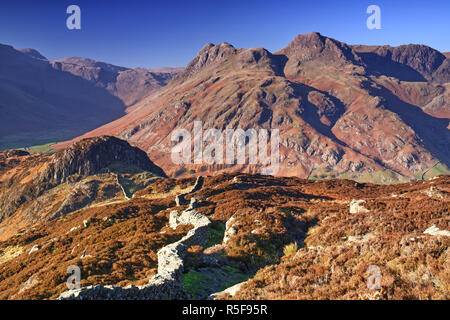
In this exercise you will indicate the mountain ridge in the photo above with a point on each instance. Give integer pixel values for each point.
(335, 113)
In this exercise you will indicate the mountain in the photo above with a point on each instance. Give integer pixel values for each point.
(44, 101)
(113, 204)
(32, 53)
(130, 85)
(372, 113)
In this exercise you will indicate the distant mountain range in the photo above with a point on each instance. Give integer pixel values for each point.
(374, 113)
(43, 100)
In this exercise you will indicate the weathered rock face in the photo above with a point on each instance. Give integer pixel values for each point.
(230, 230)
(81, 195)
(306, 47)
(36, 174)
(435, 231)
(89, 156)
(210, 54)
(13, 153)
(423, 60)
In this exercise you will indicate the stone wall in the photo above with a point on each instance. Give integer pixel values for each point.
(168, 282)
(180, 200)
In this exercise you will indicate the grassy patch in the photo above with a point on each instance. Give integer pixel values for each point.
(378, 177)
(9, 253)
(290, 249)
(236, 276)
(436, 170)
(43, 148)
(132, 178)
(200, 284)
(192, 283)
(215, 235)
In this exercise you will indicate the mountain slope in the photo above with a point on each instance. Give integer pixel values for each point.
(339, 111)
(130, 85)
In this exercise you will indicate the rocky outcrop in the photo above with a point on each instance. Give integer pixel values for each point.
(307, 47)
(356, 206)
(38, 175)
(80, 196)
(210, 54)
(434, 192)
(230, 230)
(435, 231)
(90, 156)
(168, 282)
(407, 62)
(13, 153)
(231, 291)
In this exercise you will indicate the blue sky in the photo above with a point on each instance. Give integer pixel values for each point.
(150, 34)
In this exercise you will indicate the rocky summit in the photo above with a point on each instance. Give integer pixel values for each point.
(88, 157)
(369, 113)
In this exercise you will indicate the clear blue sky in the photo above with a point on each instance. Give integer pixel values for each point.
(149, 33)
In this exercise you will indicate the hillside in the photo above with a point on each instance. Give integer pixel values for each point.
(370, 113)
(114, 220)
(36, 188)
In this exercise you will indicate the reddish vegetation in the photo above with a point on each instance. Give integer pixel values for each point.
(359, 112)
(118, 246)
(114, 241)
(36, 188)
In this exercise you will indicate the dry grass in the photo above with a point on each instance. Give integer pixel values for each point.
(9, 253)
(290, 249)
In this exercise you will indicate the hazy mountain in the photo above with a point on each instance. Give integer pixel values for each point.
(43, 101)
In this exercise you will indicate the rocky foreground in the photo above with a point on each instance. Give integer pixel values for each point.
(136, 234)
